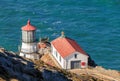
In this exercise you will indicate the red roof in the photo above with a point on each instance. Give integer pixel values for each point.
(28, 27)
(66, 46)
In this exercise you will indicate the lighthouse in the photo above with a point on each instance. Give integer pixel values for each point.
(29, 45)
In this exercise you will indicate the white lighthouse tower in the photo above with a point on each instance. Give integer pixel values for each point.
(29, 45)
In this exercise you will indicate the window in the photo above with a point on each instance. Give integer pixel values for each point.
(75, 55)
(54, 51)
(60, 58)
(56, 54)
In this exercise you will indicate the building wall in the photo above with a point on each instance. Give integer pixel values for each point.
(30, 56)
(57, 56)
(29, 47)
(66, 62)
(80, 57)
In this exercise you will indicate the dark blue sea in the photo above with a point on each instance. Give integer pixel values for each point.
(94, 24)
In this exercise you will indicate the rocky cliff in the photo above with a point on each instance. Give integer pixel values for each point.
(15, 68)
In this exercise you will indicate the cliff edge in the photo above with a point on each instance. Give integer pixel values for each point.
(16, 68)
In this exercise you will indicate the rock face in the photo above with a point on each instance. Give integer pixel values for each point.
(91, 62)
(14, 67)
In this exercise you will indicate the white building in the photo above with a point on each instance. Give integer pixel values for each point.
(29, 45)
(68, 53)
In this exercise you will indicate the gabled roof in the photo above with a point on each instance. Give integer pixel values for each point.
(66, 46)
(28, 27)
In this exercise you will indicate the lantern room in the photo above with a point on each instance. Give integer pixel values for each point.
(28, 33)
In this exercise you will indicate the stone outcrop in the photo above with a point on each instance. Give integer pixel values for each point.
(91, 62)
(16, 68)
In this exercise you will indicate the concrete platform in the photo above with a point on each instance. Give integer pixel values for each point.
(49, 59)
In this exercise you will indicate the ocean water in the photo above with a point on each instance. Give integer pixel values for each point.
(94, 24)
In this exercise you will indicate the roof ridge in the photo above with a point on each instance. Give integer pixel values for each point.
(66, 46)
(74, 46)
(70, 42)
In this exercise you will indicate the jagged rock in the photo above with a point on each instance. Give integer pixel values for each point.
(13, 66)
(2, 49)
(91, 62)
(53, 76)
(1, 79)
